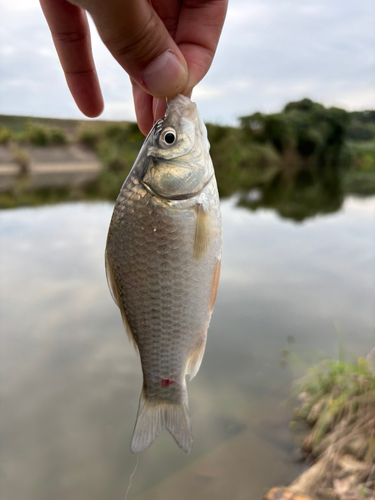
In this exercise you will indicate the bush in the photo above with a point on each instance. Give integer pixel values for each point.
(90, 138)
(5, 135)
(123, 133)
(58, 137)
(38, 136)
(216, 133)
(116, 133)
(134, 134)
(359, 132)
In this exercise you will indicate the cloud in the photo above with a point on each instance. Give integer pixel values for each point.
(270, 52)
(205, 92)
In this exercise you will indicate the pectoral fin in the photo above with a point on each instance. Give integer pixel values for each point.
(215, 284)
(202, 232)
(116, 297)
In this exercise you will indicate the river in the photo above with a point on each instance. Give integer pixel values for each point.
(70, 380)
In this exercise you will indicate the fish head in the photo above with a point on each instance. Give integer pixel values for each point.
(178, 164)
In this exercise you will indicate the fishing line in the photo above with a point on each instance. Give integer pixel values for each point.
(131, 477)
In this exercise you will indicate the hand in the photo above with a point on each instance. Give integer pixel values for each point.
(166, 47)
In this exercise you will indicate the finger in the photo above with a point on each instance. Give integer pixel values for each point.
(71, 36)
(199, 28)
(168, 11)
(140, 42)
(143, 109)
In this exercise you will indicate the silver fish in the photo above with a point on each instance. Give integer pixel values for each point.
(163, 264)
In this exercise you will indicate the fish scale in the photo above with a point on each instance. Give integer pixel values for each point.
(163, 291)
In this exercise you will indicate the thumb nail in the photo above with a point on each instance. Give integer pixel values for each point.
(165, 76)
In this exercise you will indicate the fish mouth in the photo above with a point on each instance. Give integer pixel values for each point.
(177, 197)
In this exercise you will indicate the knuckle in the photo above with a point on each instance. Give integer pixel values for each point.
(142, 42)
(70, 36)
(198, 4)
(171, 24)
(80, 72)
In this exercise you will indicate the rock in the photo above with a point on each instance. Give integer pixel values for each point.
(309, 480)
(327, 494)
(285, 494)
(357, 447)
(344, 486)
(349, 463)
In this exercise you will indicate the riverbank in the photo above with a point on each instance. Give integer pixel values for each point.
(337, 405)
(300, 162)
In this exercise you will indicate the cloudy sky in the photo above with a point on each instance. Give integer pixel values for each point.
(271, 52)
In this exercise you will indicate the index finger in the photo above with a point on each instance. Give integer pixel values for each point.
(198, 32)
(71, 36)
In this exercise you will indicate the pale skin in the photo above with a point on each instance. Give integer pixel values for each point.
(165, 46)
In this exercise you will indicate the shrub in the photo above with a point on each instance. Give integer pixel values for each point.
(120, 133)
(38, 136)
(117, 133)
(90, 138)
(5, 135)
(58, 137)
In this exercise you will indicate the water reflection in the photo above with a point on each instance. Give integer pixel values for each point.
(304, 195)
(71, 380)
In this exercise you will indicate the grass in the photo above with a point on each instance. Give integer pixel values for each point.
(334, 390)
(338, 407)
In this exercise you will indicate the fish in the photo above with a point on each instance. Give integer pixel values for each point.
(162, 259)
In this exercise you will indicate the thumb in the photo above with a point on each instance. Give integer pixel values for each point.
(139, 41)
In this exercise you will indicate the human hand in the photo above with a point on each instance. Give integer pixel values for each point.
(166, 47)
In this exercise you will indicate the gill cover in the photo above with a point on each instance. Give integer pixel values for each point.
(178, 164)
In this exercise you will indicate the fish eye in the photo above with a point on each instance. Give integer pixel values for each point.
(168, 137)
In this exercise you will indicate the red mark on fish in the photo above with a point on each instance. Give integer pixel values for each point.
(166, 382)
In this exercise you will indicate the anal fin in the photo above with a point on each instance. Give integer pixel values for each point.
(196, 356)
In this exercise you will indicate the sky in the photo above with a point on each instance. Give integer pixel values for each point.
(270, 52)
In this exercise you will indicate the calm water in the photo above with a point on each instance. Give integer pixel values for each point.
(70, 381)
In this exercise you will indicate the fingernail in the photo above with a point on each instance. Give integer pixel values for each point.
(165, 76)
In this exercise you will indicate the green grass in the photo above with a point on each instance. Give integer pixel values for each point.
(334, 390)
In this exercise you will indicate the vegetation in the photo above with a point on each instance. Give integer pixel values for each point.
(301, 161)
(117, 146)
(338, 406)
(332, 391)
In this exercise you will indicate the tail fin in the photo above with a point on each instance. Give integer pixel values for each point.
(153, 417)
